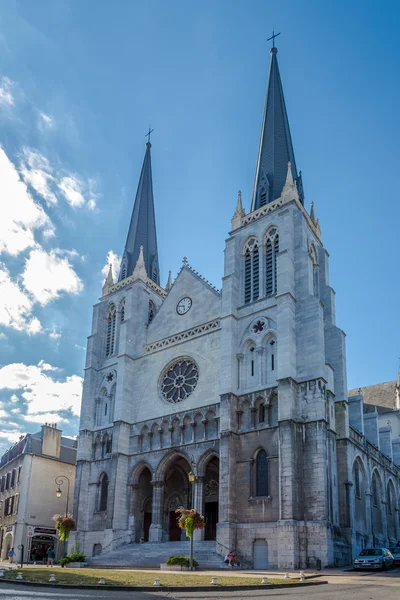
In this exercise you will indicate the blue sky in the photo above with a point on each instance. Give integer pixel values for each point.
(79, 84)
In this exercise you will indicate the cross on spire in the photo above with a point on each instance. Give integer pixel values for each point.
(148, 134)
(273, 36)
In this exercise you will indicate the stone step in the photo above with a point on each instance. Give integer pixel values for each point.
(152, 555)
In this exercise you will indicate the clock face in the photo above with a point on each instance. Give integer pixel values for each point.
(183, 306)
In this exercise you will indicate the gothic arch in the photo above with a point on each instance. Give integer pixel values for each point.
(138, 470)
(167, 461)
(204, 460)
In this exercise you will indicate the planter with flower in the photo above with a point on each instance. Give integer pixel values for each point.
(64, 526)
(190, 520)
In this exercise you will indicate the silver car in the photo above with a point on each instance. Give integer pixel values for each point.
(374, 558)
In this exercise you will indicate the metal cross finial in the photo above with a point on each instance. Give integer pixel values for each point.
(273, 36)
(148, 134)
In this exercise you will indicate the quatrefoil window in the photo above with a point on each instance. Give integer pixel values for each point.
(259, 326)
(179, 380)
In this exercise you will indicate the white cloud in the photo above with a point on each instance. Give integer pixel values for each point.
(114, 260)
(46, 276)
(80, 347)
(49, 233)
(91, 204)
(47, 417)
(46, 367)
(15, 411)
(6, 97)
(16, 306)
(14, 398)
(3, 414)
(54, 335)
(42, 393)
(20, 214)
(37, 172)
(72, 188)
(46, 120)
(11, 436)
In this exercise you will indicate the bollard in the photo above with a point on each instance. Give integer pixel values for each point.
(264, 580)
(302, 576)
(52, 579)
(287, 576)
(157, 582)
(214, 581)
(19, 577)
(102, 582)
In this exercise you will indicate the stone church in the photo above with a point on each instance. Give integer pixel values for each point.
(243, 387)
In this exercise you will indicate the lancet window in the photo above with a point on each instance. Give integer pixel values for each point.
(315, 271)
(271, 252)
(110, 338)
(262, 473)
(357, 479)
(122, 310)
(251, 271)
(103, 494)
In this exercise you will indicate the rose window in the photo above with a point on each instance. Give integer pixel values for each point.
(179, 380)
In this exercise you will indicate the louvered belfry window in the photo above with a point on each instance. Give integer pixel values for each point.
(271, 252)
(110, 338)
(251, 271)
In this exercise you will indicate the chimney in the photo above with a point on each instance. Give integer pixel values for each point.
(51, 440)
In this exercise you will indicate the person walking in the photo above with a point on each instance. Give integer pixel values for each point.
(11, 555)
(50, 557)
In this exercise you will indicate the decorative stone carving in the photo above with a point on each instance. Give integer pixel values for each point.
(211, 488)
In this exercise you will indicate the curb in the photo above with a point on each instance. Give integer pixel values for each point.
(162, 588)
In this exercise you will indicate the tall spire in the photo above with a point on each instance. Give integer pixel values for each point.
(275, 150)
(142, 228)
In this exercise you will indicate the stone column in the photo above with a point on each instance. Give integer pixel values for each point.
(260, 379)
(368, 510)
(132, 514)
(397, 522)
(240, 358)
(384, 521)
(198, 504)
(155, 533)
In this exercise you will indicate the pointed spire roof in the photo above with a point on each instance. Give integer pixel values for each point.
(108, 282)
(276, 149)
(169, 282)
(142, 228)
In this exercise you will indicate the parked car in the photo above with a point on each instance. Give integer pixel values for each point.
(374, 558)
(396, 555)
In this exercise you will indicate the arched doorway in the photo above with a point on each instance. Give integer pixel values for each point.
(142, 508)
(211, 496)
(177, 492)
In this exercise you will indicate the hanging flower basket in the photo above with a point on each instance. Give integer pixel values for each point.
(190, 520)
(64, 526)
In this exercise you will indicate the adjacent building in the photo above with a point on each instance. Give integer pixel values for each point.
(28, 498)
(245, 387)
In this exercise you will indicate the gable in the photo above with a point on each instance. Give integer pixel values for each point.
(205, 307)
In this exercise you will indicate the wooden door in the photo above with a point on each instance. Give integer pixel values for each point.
(174, 529)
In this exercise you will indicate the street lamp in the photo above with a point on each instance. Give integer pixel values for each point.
(60, 481)
(191, 478)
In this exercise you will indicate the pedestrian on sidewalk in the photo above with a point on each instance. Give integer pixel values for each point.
(11, 555)
(50, 557)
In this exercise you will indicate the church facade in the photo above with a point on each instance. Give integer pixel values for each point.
(243, 387)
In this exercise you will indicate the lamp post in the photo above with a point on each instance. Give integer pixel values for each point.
(60, 480)
(191, 478)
